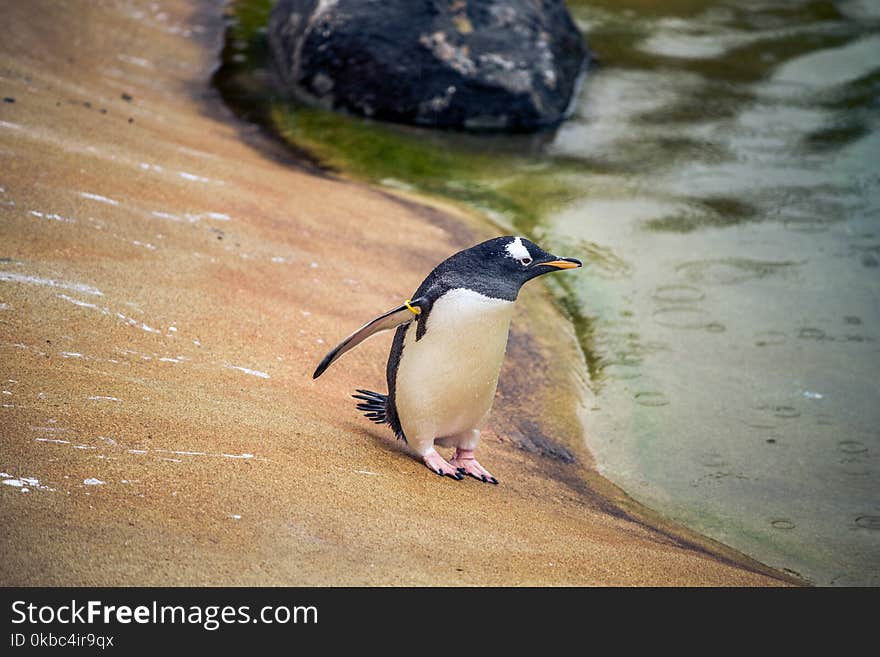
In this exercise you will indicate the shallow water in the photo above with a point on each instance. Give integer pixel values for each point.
(720, 179)
(734, 287)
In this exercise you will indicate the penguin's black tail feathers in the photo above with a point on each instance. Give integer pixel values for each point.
(374, 405)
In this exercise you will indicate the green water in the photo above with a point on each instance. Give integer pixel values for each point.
(720, 179)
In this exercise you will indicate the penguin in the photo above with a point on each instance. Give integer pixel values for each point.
(447, 351)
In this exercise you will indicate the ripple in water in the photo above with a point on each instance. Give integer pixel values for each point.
(730, 271)
(687, 318)
(852, 447)
(811, 334)
(678, 294)
(868, 522)
(651, 399)
(782, 523)
(786, 412)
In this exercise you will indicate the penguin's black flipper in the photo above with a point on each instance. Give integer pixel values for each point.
(393, 318)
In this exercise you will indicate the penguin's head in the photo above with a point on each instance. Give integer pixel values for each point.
(500, 267)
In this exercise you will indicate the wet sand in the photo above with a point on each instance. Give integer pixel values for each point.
(169, 278)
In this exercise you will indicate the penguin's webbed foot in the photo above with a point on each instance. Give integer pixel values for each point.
(465, 463)
(439, 465)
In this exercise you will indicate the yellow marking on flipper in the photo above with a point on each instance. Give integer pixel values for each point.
(415, 310)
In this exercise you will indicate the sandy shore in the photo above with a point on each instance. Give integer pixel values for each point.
(168, 281)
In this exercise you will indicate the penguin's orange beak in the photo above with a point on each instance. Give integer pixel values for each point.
(564, 263)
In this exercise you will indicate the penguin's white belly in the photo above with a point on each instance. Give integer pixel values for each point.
(446, 380)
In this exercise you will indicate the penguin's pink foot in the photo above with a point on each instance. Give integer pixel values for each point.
(439, 465)
(465, 463)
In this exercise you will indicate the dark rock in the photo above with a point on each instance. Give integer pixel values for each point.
(476, 64)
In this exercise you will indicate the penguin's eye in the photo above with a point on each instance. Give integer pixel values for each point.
(525, 262)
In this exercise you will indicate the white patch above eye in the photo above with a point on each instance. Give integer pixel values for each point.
(517, 250)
